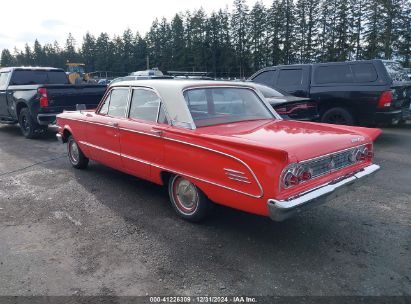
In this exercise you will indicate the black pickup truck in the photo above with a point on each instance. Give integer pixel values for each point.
(33, 96)
(364, 92)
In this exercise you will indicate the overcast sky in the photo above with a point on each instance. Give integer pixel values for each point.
(48, 20)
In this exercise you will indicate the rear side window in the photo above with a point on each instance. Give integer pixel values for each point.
(144, 105)
(333, 74)
(266, 77)
(27, 77)
(364, 72)
(290, 77)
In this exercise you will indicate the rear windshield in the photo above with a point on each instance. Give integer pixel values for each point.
(213, 106)
(268, 92)
(27, 77)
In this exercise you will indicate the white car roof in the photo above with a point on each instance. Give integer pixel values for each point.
(171, 94)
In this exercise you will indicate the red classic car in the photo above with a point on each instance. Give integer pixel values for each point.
(217, 142)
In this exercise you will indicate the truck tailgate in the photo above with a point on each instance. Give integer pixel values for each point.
(401, 92)
(66, 97)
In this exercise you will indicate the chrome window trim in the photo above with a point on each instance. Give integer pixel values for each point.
(108, 108)
(158, 110)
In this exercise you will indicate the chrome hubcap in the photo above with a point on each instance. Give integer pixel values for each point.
(74, 153)
(186, 195)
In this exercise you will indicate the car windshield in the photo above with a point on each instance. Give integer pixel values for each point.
(213, 106)
(268, 92)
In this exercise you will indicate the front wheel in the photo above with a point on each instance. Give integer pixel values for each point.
(188, 201)
(75, 155)
(338, 116)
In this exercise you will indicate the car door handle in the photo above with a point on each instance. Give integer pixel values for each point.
(113, 124)
(156, 132)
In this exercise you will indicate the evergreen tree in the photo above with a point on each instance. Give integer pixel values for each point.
(287, 32)
(88, 50)
(7, 59)
(240, 35)
(403, 43)
(258, 34)
(38, 54)
(139, 53)
(343, 25)
(274, 37)
(358, 18)
(70, 49)
(103, 53)
(177, 43)
(374, 26)
(226, 59)
(127, 51)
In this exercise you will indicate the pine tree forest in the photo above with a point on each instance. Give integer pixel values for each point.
(238, 42)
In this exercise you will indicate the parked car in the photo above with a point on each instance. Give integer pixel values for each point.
(217, 142)
(138, 77)
(356, 92)
(288, 106)
(33, 97)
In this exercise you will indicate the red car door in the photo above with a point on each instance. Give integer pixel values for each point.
(103, 135)
(142, 145)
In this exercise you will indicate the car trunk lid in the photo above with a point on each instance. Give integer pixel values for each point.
(301, 140)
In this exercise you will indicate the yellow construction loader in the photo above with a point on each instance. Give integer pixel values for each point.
(76, 74)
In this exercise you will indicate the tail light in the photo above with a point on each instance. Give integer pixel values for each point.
(44, 99)
(385, 99)
(294, 175)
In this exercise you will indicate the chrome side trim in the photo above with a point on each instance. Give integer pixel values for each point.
(280, 210)
(233, 171)
(100, 148)
(187, 175)
(174, 171)
(239, 180)
(189, 144)
(91, 122)
(228, 155)
(139, 132)
(237, 176)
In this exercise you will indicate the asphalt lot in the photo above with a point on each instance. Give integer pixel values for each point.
(100, 232)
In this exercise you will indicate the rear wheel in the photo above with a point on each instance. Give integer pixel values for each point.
(338, 116)
(75, 155)
(29, 128)
(188, 201)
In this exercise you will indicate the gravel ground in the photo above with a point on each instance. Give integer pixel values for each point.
(100, 232)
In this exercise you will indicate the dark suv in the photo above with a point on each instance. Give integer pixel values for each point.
(357, 92)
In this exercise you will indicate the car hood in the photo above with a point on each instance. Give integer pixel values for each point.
(300, 140)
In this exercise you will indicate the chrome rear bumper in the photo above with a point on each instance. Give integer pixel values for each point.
(280, 210)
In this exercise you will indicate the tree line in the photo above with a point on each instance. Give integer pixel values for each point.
(237, 43)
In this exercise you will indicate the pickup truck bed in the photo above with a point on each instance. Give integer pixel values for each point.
(35, 105)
